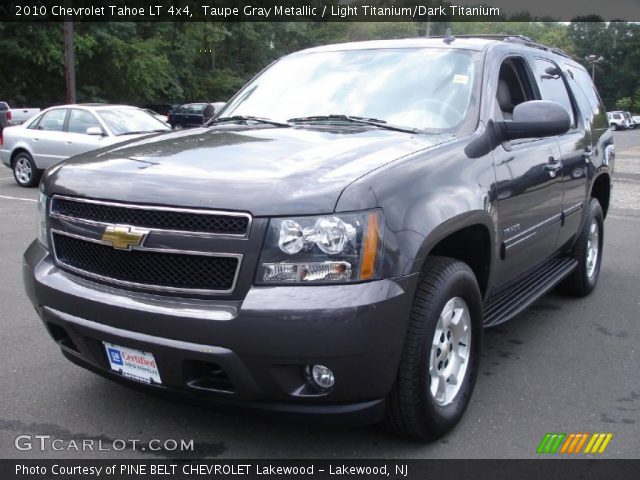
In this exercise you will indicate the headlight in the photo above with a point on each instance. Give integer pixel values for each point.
(344, 247)
(42, 219)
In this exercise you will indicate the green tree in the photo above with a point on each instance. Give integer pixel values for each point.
(624, 103)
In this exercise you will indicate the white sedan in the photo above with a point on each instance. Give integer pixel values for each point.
(68, 130)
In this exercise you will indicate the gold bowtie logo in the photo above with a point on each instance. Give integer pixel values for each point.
(123, 238)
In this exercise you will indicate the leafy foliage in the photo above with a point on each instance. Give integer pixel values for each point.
(153, 62)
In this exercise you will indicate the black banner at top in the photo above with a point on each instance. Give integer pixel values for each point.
(315, 10)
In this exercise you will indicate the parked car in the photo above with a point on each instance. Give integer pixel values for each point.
(17, 116)
(335, 241)
(193, 114)
(618, 120)
(636, 119)
(631, 124)
(61, 132)
(21, 115)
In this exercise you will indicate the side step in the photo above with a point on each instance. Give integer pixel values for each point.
(523, 293)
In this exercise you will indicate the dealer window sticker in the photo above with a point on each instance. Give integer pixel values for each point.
(461, 79)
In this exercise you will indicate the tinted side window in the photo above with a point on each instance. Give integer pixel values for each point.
(552, 86)
(53, 120)
(4, 106)
(80, 120)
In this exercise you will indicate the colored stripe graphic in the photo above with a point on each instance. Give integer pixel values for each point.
(550, 443)
(572, 443)
(598, 443)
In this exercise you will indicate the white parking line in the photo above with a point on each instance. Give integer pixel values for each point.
(18, 198)
(5, 178)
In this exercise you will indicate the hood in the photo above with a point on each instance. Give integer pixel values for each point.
(262, 170)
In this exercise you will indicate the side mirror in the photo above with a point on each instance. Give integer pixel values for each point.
(94, 131)
(535, 119)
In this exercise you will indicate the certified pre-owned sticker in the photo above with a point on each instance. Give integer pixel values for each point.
(135, 364)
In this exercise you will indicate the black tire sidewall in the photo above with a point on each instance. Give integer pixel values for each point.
(594, 211)
(441, 419)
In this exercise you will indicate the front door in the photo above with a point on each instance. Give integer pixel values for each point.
(528, 183)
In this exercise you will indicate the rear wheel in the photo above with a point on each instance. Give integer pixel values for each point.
(614, 126)
(588, 252)
(441, 355)
(25, 172)
(177, 126)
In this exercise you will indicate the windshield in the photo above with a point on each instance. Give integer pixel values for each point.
(428, 89)
(122, 121)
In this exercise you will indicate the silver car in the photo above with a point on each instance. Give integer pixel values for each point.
(68, 130)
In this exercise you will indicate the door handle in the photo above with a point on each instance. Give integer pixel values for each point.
(68, 143)
(553, 166)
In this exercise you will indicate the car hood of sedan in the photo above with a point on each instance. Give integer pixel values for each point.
(262, 170)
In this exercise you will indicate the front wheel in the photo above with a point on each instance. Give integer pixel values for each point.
(25, 172)
(588, 252)
(614, 127)
(177, 126)
(441, 355)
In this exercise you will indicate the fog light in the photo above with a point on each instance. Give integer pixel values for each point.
(322, 376)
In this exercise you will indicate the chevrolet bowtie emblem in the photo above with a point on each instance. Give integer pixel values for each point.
(123, 237)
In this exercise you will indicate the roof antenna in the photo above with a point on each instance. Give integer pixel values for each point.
(449, 38)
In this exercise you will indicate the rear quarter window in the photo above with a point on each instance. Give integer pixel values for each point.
(581, 84)
(4, 106)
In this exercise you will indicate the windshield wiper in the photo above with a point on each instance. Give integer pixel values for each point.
(246, 118)
(353, 119)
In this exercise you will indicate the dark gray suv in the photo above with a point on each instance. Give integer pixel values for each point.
(335, 240)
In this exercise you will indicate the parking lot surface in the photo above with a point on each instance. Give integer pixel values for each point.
(564, 365)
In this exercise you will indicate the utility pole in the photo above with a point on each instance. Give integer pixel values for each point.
(69, 63)
(593, 59)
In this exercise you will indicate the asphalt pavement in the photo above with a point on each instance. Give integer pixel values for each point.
(564, 365)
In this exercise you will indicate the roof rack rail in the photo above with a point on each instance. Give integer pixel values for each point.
(504, 37)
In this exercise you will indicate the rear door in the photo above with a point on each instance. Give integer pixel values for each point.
(195, 114)
(528, 184)
(595, 121)
(47, 138)
(575, 146)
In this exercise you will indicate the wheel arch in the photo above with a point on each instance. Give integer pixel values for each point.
(468, 238)
(17, 151)
(601, 190)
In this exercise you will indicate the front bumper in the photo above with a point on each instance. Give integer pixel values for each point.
(261, 344)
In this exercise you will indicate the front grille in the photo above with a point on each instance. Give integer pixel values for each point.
(158, 218)
(146, 268)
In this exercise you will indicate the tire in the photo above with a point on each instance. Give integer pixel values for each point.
(413, 410)
(584, 278)
(177, 126)
(614, 127)
(25, 172)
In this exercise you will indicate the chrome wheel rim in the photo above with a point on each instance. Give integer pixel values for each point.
(593, 248)
(450, 348)
(23, 170)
